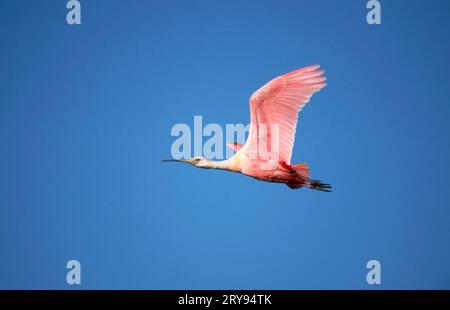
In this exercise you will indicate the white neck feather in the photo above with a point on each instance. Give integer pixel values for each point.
(211, 164)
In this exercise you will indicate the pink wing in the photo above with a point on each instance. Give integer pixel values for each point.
(278, 102)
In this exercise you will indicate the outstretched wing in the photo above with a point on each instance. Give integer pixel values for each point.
(278, 102)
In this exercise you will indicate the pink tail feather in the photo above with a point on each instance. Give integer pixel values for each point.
(301, 170)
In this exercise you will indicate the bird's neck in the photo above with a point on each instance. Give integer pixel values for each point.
(220, 164)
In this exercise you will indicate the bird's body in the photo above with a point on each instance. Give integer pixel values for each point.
(267, 152)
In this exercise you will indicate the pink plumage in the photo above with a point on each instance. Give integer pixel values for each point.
(274, 109)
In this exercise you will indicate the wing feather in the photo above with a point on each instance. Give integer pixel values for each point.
(278, 102)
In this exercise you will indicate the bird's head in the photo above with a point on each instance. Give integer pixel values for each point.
(196, 161)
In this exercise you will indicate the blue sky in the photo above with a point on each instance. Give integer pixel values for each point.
(85, 118)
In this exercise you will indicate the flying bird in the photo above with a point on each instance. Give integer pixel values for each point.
(274, 109)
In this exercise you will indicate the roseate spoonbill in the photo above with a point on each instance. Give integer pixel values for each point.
(273, 112)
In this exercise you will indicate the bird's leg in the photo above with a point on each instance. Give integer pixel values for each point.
(317, 185)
